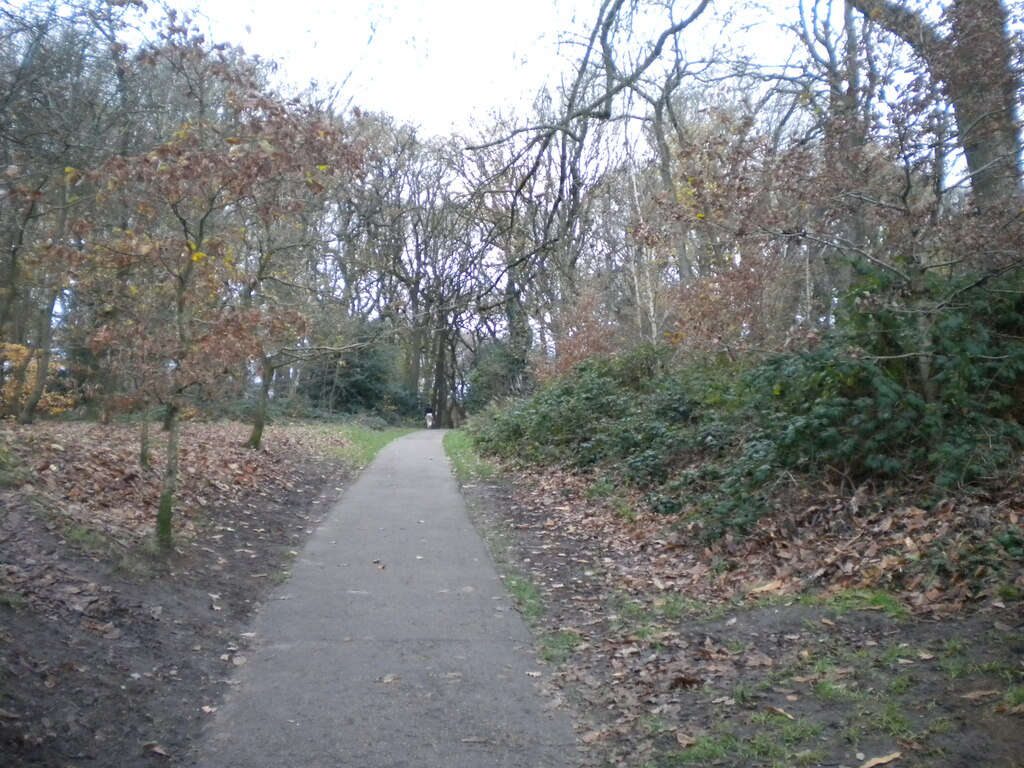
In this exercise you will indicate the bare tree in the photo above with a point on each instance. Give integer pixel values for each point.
(970, 53)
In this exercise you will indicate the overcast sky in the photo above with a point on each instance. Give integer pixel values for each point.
(431, 62)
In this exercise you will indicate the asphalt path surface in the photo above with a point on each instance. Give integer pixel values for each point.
(394, 642)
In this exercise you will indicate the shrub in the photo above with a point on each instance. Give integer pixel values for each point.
(719, 437)
(861, 404)
(631, 417)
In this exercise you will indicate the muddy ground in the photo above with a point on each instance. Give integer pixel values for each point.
(110, 653)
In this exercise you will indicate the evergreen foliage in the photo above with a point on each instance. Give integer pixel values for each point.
(361, 378)
(498, 371)
(692, 436)
(859, 404)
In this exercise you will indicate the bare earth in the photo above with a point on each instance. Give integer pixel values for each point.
(112, 656)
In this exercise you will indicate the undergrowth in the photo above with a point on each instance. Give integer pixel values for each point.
(718, 438)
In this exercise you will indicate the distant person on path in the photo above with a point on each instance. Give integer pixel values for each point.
(430, 419)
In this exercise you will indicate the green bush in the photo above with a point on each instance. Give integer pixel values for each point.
(624, 414)
(861, 405)
(498, 371)
(718, 438)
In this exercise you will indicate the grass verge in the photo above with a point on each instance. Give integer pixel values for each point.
(362, 443)
(466, 462)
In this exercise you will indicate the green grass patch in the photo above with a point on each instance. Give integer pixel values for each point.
(526, 596)
(602, 488)
(901, 684)
(11, 600)
(745, 695)
(675, 607)
(955, 667)
(708, 750)
(1014, 696)
(134, 565)
(834, 692)
(891, 721)
(362, 443)
(1008, 592)
(86, 538)
(772, 738)
(796, 732)
(849, 600)
(467, 464)
(11, 473)
(557, 647)
(955, 646)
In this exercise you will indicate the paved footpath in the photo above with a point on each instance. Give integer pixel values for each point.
(394, 642)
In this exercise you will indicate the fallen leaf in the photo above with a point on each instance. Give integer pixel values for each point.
(683, 681)
(778, 711)
(684, 739)
(771, 586)
(882, 760)
(389, 678)
(758, 659)
(975, 695)
(156, 749)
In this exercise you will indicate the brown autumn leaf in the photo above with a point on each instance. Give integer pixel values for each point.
(684, 681)
(155, 749)
(685, 740)
(758, 659)
(882, 760)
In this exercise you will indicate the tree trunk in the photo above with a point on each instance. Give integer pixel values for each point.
(974, 63)
(28, 411)
(165, 513)
(19, 376)
(145, 452)
(260, 418)
(440, 398)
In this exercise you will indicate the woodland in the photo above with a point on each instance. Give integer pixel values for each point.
(772, 307)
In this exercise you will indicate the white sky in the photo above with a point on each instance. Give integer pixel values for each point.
(435, 63)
